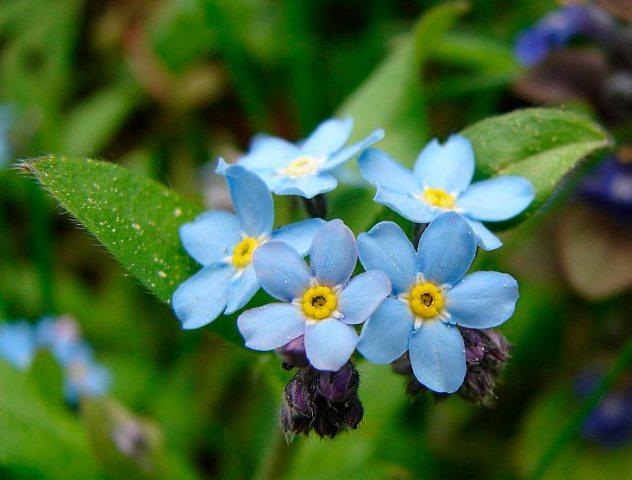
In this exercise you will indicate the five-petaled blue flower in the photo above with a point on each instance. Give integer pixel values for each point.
(430, 298)
(441, 182)
(552, 32)
(303, 169)
(17, 344)
(224, 244)
(322, 303)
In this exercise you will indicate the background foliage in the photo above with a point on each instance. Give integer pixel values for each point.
(160, 89)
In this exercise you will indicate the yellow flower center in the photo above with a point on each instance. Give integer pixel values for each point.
(301, 167)
(426, 300)
(242, 253)
(319, 302)
(437, 197)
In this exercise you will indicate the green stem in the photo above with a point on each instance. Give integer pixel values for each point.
(622, 362)
(278, 459)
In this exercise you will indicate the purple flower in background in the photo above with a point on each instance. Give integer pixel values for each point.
(610, 185)
(550, 33)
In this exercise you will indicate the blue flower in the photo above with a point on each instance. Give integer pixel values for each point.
(82, 375)
(321, 302)
(303, 169)
(6, 120)
(610, 185)
(441, 182)
(431, 297)
(552, 32)
(224, 244)
(59, 335)
(17, 344)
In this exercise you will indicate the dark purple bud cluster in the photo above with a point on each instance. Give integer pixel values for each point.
(486, 353)
(325, 402)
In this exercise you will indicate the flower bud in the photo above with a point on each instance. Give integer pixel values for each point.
(486, 352)
(292, 354)
(341, 385)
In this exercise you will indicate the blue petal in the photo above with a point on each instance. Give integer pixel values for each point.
(269, 153)
(299, 235)
(385, 335)
(17, 344)
(252, 200)
(449, 166)
(497, 199)
(446, 249)
(364, 294)
(485, 239)
(382, 171)
(406, 205)
(211, 236)
(308, 186)
(334, 253)
(482, 300)
(385, 247)
(201, 298)
(328, 137)
(437, 355)
(352, 150)
(271, 326)
(329, 344)
(281, 271)
(242, 288)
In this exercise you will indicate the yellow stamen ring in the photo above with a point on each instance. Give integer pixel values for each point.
(242, 253)
(319, 302)
(426, 300)
(302, 167)
(437, 197)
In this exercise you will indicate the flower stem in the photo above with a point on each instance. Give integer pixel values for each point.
(278, 459)
(316, 207)
(622, 362)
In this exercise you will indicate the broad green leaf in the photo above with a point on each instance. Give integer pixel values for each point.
(36, 435)
(542, 145)
(134, 217)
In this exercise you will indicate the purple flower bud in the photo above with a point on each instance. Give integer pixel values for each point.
(340, 385)
(486, 352)
(325, 402)
(292, 354)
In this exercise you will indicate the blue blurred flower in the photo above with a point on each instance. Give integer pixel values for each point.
(304, 169)
(17, 344)
(430, 298)
(610, 423)
(224, 244)
(551, 32)
(441, 182)
(82, 375)
(610, 185)
(58, 334)
(321, 302)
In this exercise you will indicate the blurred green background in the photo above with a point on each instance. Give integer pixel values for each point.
(165, 86)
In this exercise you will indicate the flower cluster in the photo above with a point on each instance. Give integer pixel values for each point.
(414, 301)
(20, 342)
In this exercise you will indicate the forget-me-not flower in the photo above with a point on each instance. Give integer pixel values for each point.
(82, 375)
(224, 244)
(304, 169)
(430, 298)
(552, 32)
(17, 344)
(441, 182)
(320, 301)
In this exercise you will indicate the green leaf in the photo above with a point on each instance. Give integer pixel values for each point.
(134, 217)
(542, 145)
